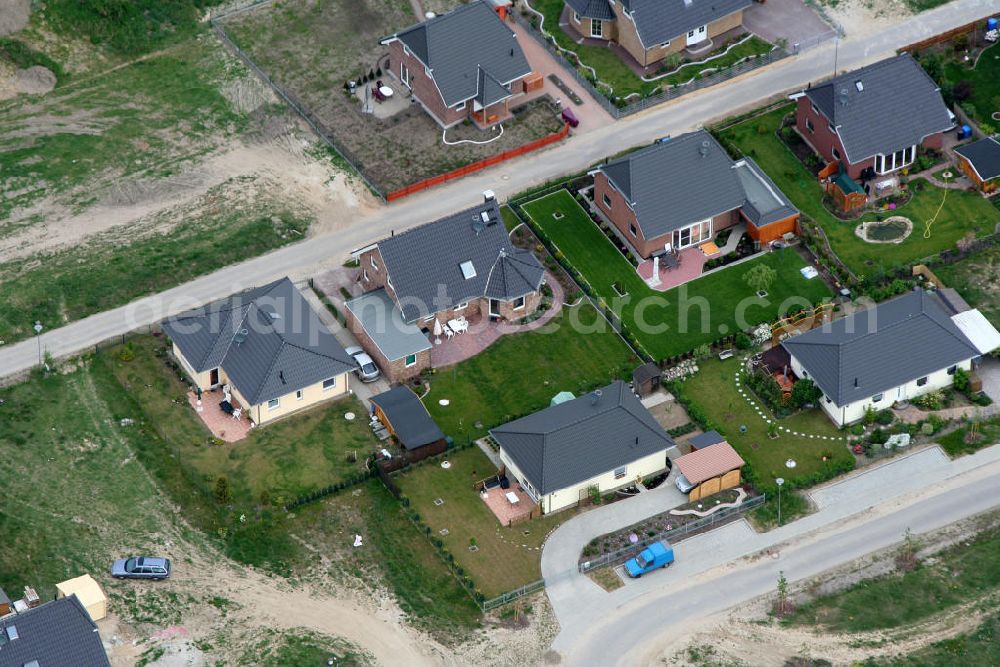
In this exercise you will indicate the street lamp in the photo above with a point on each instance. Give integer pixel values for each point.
(38, 335)
(779, 481)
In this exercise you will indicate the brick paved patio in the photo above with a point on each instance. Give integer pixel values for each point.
(221, 425)
(503, 509)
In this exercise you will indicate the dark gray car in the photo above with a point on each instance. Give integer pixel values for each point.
(141, 567)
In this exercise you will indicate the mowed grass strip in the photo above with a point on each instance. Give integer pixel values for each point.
(681, 319)
(505, 557)
(977, 279)
(961, 212)
(962, 573)
(520, 373)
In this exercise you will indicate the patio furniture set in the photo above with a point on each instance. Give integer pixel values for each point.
(453, 327)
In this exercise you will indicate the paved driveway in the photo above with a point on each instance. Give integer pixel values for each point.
(787, 19)
(989, 372)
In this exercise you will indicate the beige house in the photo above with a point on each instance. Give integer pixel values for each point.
(265, 348)
(650, 30)
(603, 440)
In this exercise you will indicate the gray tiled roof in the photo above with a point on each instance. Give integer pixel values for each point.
(706, 439)
(456, 45)
(984, 156)
(658, 21)
(424, 263)
(58, 633)
(285, 346)
(384, 324)
(592, 9)
(411, 423)
(571, 442)
(899, 106)
(691, 178)
(868, 352)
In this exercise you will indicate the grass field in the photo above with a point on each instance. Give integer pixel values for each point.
(506, 557)
(962, 212)
(683, 318)
(977, 279)
(985, 80)
(960, 574)
(955, 444)
(714, 391)
(520, 373)
(975, 648)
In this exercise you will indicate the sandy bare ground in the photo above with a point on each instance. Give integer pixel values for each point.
(861, 18)
(14, 16)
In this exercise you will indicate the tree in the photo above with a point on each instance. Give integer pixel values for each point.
(906, 560)
(222, 493)
(760, 277)
(781, 606)
(805, 391)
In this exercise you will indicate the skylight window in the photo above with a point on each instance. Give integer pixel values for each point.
(468, 270)
(860, 86)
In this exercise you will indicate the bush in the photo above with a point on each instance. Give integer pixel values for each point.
(222, 492)
(743, 341)
(879, 437)
(961, 380)
(932, 400)
(884, 417)
(804, 392)
(766, 388)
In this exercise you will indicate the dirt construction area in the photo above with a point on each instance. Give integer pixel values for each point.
(312, 49)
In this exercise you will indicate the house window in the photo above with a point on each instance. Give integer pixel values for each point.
(576, 17)
(897, 160)
(828, 399)
(607, 201)
(665, 44)
(273, 404)
(462, 306)
(596, 28)
(519, 303)
(364, 274)
(404, 74)
(699, 232)
(632, 229)
(951, 371)
(329, 383)
(877, 398)
(411, 360)
(619, 472)
(922, 381)
(459, 106)
(810, 126)
(836, 154)
(815, 109)
(373, 262)
(298, 395)
(690, 33)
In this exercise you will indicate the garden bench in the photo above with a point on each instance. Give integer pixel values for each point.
(726, 354)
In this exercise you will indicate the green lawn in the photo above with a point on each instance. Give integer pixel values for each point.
(977, 279)
(673, 322)
(519, 374)
(955, 442)
(985, 79)
(506, 557)
(713, 390)
(961, 574)
(962, 211)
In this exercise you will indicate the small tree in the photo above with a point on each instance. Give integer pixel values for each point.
(781, 605)
(805, 391)
(760, 277)
(906, 560)
(222, 492)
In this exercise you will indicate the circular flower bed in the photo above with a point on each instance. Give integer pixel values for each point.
(890, 230)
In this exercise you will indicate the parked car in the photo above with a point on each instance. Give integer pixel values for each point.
(682, 484)
(141, 567)
(367, 370)
(656, 555)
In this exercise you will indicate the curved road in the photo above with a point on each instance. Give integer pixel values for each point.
(585, 148)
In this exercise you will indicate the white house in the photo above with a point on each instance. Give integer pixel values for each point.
(894, 352)
(604, 439)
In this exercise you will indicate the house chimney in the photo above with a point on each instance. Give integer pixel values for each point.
(489, 195)
(843, 97)
(595, 397)
(31, 597)
(703, 149)
(855, 383)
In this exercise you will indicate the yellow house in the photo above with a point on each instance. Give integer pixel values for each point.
(605, 440)
(265, 347)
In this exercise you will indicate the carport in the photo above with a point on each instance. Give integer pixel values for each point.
(711, 469)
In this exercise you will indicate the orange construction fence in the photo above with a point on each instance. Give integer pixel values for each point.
(477, 166)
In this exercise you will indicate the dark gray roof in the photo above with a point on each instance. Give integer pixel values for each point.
(57, 634)
(592, 9)
(457, 45)
(658, 21)
(706, 439)
(577, 440)
(268, 340)
(424, 263)
(984, 156)
(410, 421)
(868, 352)
(384, 324)
(691, 178)
(898, 106)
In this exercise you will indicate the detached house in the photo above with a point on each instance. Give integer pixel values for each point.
(872, 120)
(605, 439)
(60, 633)
(266, 347)
(649, 30)
(463, 64)
(683, 191)
(459, 267)
(896, 351)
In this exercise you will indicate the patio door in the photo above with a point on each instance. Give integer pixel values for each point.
(494, 307)
(901, 392)
(213, 377)
(697, 35)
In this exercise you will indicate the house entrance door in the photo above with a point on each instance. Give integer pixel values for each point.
(213, 377)
(494, 308)
(697, 35)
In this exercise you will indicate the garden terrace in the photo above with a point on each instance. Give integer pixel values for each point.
(953, 218)
(670, 328)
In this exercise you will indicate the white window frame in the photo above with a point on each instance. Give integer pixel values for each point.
(521, 300)
(461, 306)
(633, 230)
(597, 24)
(833, 130)
(274, 404)
(704, 234)
(576, 17)
(665, 44)
(364, 274)
(877, 398)
(404, 74)
(922, 382)
(885, 164)
(429, 317)
(406, 360)
(371, 260)
(836, 154)
(606, 200)
(299, 394)
(952, 370)
(620, 472)
(810, 126)
(459, 107)
(815, 109)
(332, 381)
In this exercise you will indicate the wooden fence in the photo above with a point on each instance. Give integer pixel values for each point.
(948, 34)
(481, 164)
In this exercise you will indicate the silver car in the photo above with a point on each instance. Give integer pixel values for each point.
(682, 483)
(367, 370)
(141, 567)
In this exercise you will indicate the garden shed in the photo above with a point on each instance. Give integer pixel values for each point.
(88, 592)
(408, 420)
(646, 379)
(711, 469)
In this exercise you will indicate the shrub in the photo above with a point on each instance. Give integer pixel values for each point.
(884, 417)
(222, 492)
(961, 380)
(869, 417)
(743, 341)
(804, 392)
(879, 437)
(932, 400)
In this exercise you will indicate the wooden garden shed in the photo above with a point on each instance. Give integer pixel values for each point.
(88, 592)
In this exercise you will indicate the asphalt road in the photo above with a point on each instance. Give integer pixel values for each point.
(304, 258)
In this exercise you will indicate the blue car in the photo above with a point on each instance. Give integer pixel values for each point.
(656, 555)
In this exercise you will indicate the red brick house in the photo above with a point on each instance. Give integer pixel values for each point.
(460, 266)
(873, 120)
(683, 191)
(463, 64)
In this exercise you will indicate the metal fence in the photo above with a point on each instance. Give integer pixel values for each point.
(321, 130)
(674, 535)
(671, 93)
(510, 596)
